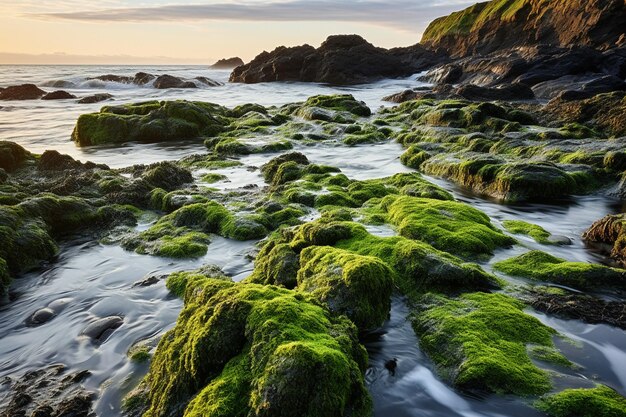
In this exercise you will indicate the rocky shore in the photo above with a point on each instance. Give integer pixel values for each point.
(517, 119)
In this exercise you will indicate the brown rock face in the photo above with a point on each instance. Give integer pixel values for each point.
(228, 63)
(612, 230)
(498, 24)
(22, 92)
(340, 60)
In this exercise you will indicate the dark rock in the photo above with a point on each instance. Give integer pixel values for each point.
(166, 175)
(123, 79)
(445, 74)
(40, 317)
(579, 307)
(76, 406)
(495, 25)
(143, 78)
(58, 95)
(151, 280)
(228, 63)
(340, 60)
(572, 87)
(102, 328)
(391, 365)
(209, 82)
(95, 98)
(168, 81)
(610, 230)
(22, 92)
(55, 161)
(12, 156)
(506, 92)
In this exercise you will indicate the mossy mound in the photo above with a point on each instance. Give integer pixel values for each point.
(12, 156)
(245, 349)
(545, 267)
(184, 233)
(601, 401)
(340, 108)
(231, 146)
(479, 341)
(355, 285)
(454, 227)
(150, 122)
(512, 181)
(291, 167)
(519, 227)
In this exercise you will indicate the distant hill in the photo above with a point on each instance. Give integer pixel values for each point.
(489, 26)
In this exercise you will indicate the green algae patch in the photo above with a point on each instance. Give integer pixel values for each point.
(276, 264)
(355, 285)
(246, 349)
(601, 401)
(542, 266)
(524, 228)
(12, 156)
(550, 355)
(150, 122)
(479, 342)
(454, 227)
(340, 108)
(184, 232)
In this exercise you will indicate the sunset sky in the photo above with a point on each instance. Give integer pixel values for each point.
(188, 31)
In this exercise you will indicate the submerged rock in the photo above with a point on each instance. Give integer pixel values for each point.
(102, 328)
(22, 92)
(95, 98)
(58, 95)
(169, 81)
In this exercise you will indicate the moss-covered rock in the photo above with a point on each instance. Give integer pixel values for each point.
(355, 285)
(479, 342)
(12, 156)
(601, 401)
(454, 227)
(520, 227)
(333, 108)
(150, 122)
(245, 349)
(545, 267)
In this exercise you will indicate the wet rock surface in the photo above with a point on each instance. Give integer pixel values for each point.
(227, 63)
(22, 92)
(102, 328)
(49, 392)
(96, 98)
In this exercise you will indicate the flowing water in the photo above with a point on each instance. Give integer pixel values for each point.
(91, 280)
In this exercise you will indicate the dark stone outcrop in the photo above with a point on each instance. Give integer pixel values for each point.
(504, 92)
(123, 79)
(228, 63)
(499, 24)
(142, 78)
(95, 98)
(58, 95)
(169, 81)
(340, 60)
(22, 92)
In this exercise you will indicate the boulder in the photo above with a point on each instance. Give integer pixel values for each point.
(505, 92)
(58, 95)
(577, 87)
(227, 63)
(142, 78)
(124, 79)
(95, 98)
(169, 81)
(22, 92)
(208, 81)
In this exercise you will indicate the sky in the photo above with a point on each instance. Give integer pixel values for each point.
(198, 31)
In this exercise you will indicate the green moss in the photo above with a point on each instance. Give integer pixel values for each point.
(523, 228)
(12, 156)
(601, 401)
(276, 264)
(339, 103)
(355, 285)
(139, 354)
(212, 178)
(5, 278)
(243, 349)
(550, 355)
(414, 157)
(447, 225)
(479, 342)
(545, 267)
(149, 122)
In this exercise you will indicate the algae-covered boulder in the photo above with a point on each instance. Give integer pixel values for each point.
(355, 285)
(335, 108)
(276, 264)
(545, 267)
(151, 121)
(612, 230)
(454, 227)
(601, 401)
(479, 342)
(251, 350)
(12, 155)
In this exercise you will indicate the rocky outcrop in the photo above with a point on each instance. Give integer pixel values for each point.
(169, 81)
(95, 98)
(500, 24)
(340, 60)
(22, 92)
(227, 63)
(58, 95)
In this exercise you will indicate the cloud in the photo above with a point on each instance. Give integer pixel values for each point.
(399, 14)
